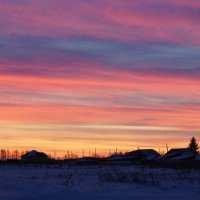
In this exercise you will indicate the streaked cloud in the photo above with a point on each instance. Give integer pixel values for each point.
(92, 71)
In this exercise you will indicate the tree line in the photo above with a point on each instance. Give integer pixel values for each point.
(6, 154)
(15, 154)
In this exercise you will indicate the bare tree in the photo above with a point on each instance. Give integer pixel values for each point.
(3, 154)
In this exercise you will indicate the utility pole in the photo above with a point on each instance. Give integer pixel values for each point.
(54, 154)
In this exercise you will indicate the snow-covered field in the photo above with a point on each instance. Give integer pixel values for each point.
(97, 183)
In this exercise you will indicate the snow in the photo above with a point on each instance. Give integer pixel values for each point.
(32, 153)
(178, 154)
(97, 182)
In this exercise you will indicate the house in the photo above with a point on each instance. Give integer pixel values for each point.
(143, 154)
(140, 154)
(34, 156)
(179, 154)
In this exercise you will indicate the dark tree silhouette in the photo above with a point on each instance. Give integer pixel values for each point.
(193, 145)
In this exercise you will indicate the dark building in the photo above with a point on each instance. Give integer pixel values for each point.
(143, 154)
(140, 154)
(34, 156)
(179, 154)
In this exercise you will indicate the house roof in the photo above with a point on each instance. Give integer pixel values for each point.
(144, 154)
(179, 153)
(141, 152)
(35, 153)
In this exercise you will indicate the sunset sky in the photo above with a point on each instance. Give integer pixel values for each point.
(104, 74)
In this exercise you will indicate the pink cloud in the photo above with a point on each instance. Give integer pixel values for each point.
(126, 21)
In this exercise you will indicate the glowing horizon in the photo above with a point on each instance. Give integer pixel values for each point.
(99, 74)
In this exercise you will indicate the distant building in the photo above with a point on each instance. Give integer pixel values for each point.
(140, 154)
(179, 154)
(34, 156)
(143, 154)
